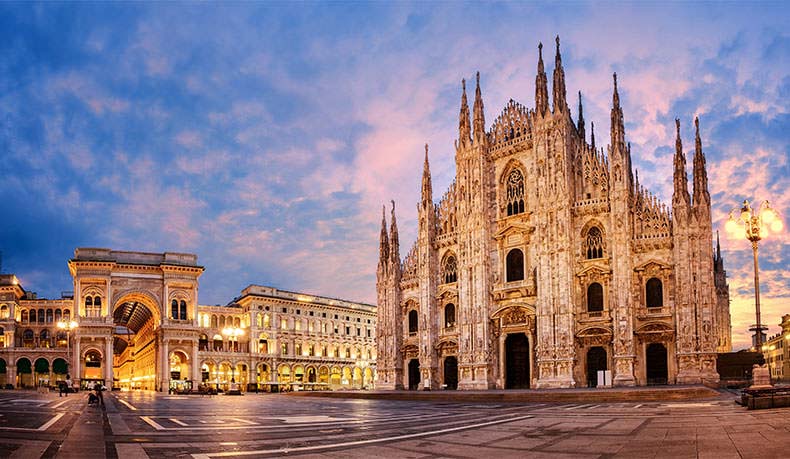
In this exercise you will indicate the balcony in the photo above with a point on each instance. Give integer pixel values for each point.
(594, 316)
(653, 313)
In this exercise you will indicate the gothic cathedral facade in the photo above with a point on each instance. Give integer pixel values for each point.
(547, 265)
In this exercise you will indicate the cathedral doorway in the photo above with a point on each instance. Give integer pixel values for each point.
(596, 361)
(414, 374)
(451, 372)
(656, 361)
(517, 361)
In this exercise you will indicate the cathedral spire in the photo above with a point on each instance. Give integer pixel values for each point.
(394, 245)
(464, 129)
(617, 128)
(541, 86)
(479, 117)
(680, 195)
(427, 190)
(580, 122)
(384, 245)
(718, 246)
(592, 135)
(701, 194)
(559, 101)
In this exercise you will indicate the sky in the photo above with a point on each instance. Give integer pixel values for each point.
(265, 137)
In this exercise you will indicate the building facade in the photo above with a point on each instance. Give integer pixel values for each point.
(138, 325)
(776, 351)
(546, 261)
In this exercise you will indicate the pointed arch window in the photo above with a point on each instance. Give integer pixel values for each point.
(515, 265)
(449, 270)
(594, 297)
(593, 243)
(515, 192)
(654, 293)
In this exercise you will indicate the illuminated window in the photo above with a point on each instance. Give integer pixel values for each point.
(283, 324)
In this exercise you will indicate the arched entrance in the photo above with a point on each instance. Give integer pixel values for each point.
(134, 359)
(451, 372)
(3, 374)
(92, 368)
(24, 372)
(414, 374)
(517, 361)
(596, 361)
(335, 377)
(41, 367)
(656, 364)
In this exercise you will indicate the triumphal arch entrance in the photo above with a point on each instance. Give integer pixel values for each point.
(137, 314)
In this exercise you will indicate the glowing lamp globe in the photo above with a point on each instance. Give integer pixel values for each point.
(776, 226)
(731, 226)
(769, 215)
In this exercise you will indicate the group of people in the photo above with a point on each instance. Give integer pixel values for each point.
(95, 390)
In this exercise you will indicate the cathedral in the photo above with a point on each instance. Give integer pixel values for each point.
(546, 264)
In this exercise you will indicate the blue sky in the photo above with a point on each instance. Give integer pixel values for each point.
(266, 137)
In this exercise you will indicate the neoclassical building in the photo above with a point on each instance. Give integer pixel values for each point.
(546, 261)
(138, 325)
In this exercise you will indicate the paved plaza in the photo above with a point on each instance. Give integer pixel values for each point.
(146, 424)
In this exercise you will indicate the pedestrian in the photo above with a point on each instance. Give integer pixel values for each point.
(99, 388)
(68, 385)
(61, 388)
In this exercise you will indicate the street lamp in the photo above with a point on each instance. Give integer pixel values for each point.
(68, 325)
(755, 223)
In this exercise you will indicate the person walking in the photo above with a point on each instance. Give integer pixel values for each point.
(99, 389)
(67, 385)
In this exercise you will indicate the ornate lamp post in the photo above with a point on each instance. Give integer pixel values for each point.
(756, 224)
(68, 325)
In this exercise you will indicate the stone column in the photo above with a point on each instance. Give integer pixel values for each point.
(164, 368)
(11, 373)
(108, 361)
(75, 365)
(196, 377)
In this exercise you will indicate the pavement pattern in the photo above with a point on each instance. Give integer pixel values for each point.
(145, 424)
